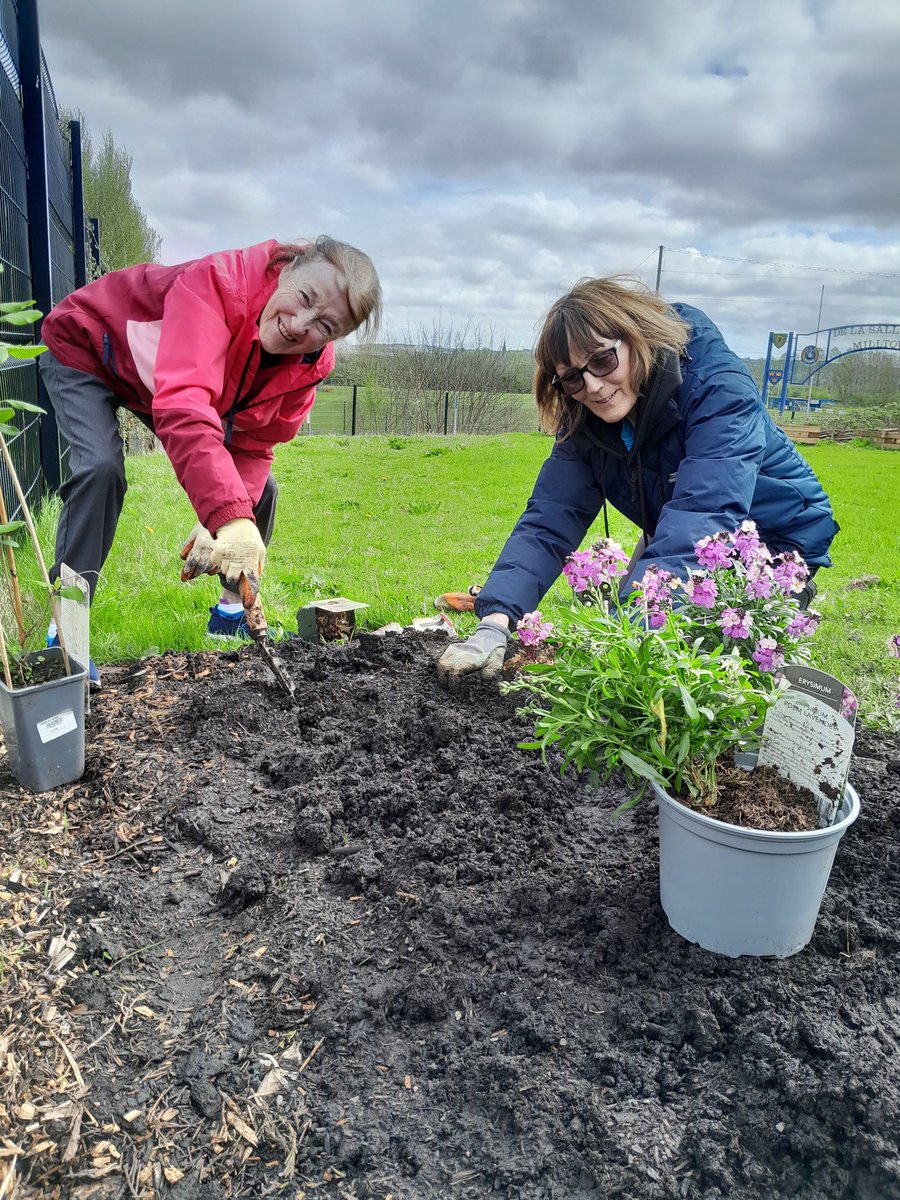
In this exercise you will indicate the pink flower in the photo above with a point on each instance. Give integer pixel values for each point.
(767, 656)
(714, 551)
(601, 564)
(702, 590)
(790, 572)
(849, 704)
(759, 581)
(893, 645)
(746, 541)
(656, 586)
(533, 629)
(656, 617)
(736, 623)
(803, 624)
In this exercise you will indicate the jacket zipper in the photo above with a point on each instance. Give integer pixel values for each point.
(236, 404)
(109, 357)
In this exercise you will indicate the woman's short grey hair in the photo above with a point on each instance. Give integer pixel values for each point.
(363, 287)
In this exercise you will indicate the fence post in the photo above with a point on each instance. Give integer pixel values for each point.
(38, 211)
(78, 205)
(353, 413)
(94, 223)
(446, 411)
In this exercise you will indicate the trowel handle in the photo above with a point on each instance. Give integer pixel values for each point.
(253, 610)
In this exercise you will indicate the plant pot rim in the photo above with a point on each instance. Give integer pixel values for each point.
(77, 672)
(849, 807)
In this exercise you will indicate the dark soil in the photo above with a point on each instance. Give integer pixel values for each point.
(366, 947)
(759, 799)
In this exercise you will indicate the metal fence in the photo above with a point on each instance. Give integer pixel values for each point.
(42, 232)
(354, 409)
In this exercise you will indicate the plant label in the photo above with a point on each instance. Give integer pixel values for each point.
(53, 727)
(808, 735)
(75, 616)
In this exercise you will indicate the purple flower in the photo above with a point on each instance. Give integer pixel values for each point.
(702, 590)
(656, 617)
(759, 581)
(849, 704)
(714, 551)
(746, 542)
(790, 572)
(533, 629)
(736, 623)
(767, 655)
(656, 586)
(893, 645)
(803, 624)
(601, 564)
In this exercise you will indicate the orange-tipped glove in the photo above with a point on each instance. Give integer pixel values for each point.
(195, 553)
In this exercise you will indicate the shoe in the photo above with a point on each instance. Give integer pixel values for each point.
(227, 625)
(93, 674)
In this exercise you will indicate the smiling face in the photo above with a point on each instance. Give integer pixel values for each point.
(307, 310)
(612, 397)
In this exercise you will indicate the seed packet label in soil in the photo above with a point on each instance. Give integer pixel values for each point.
(75, 616)
(808, 736)
(55, 726)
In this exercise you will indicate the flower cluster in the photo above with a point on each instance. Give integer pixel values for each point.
(744, 598)
(596, 568)
(533, 629)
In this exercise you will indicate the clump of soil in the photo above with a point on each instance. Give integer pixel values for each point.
(364, 947)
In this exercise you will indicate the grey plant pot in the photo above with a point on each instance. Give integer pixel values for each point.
(744, 891)
(43, 727)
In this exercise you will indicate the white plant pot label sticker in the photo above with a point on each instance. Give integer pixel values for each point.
(808, 736)
(56, 726)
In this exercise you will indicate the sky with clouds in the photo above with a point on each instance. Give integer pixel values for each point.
(487, 155)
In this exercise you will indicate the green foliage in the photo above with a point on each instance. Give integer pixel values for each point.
(654, 703)
(126, 236)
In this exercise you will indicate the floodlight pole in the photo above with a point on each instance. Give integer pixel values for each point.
(659, 268)
(816, 344)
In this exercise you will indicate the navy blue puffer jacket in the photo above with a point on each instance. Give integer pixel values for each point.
(706, 456)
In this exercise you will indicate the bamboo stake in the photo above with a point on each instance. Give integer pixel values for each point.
(29, 524)
(6, 674)
(14, 577)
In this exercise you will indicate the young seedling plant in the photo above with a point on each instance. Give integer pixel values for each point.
(22, 313)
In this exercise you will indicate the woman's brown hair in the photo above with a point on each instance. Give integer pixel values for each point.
(610, 308)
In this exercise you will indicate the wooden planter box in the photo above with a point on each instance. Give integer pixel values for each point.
(811, 435)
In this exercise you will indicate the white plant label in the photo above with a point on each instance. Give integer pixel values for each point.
(56, 726)
(808, 736)
(75, 617)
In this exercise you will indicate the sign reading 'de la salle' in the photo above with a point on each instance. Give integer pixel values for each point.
(863, 337)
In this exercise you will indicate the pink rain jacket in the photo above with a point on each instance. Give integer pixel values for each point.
(182, 344)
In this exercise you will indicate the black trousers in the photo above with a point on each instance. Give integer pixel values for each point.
(87, 414)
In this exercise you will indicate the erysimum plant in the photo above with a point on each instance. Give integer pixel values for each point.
(665, 681)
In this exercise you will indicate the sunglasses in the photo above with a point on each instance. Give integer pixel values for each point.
(603, 362)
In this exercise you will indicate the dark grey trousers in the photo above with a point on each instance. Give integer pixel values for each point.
(87, 416)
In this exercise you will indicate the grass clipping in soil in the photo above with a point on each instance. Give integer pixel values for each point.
(365, 947)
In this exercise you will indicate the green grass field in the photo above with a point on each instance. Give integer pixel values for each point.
(395, 521)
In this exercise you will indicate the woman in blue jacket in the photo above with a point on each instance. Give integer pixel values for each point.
(655, 415)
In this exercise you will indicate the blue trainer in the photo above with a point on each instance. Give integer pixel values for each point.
(227, 625)
(93, 673)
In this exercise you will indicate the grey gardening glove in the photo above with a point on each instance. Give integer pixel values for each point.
(483, 652)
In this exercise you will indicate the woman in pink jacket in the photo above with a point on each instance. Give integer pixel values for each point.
(221, 358)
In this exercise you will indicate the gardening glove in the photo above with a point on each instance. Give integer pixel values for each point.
(483, 652)
(238, 550)
(195, 554)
